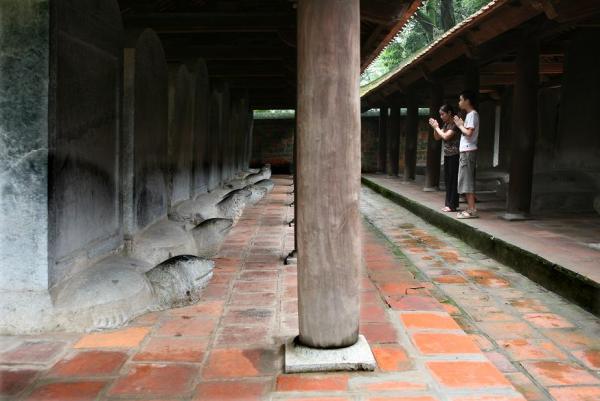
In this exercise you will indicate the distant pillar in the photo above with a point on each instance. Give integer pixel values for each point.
(524, 128)
(394, 137)
(328, 129)
(434, 148)
(383, 146)
(412, 130)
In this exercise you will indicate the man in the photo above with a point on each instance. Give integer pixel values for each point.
(468, 152)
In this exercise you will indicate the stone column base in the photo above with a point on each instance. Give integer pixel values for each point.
(302, 359)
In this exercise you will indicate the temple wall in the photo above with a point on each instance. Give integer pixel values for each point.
(91, 155)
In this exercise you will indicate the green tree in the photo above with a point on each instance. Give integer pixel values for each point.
(431, 21)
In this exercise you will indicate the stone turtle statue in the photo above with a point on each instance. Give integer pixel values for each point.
(179, 281)
(209, 235)
(232, 205)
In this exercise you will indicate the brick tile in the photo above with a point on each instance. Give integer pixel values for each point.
(12, 382)
(572, 340)
(549, 373)
(173, 349)
(414, 303)
(317, 399)
(372, 313)
(330, 382)
(525, 386)
(501, 362)
(391, 358)
(575, 393)
(215, 293)
(155, 380)
(450, 279)
(257, 299)
(231, 390)
(444, 343)
(467, 374)
(224, 363)
(258, 275)
(239, 335)
(489, 398)
(125, 338)
(590, 358)
(405, 398)
(547, 320)
(89, 363)
(249, 316)
(379, 332)
(508, 330)
(487, 278)
(255, 286)
(428, 321)
(32, 352)
(80, 391)
(201, 309)
(186, 326)
(391, 385)
(522, 349)
(527, 305)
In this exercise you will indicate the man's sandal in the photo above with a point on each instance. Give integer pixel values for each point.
(467, 214)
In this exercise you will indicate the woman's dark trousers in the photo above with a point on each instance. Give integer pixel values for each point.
(451, 177)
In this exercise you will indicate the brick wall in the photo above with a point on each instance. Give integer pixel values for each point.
(273, 142)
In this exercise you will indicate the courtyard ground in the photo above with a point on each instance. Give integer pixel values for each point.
(445, 324)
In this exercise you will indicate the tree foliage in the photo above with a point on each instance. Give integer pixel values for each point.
(431, 21)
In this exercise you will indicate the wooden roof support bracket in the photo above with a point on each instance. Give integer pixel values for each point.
(547, 6)
(469, 47)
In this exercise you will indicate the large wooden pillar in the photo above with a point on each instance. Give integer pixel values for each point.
(524, 128)
(434, 148)
(412, 131)
(383, 145)
(394, 140)
(328, 129)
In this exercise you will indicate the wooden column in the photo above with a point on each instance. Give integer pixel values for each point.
(410, 144)
(524, 128)
(394, 140)
(328, 129)
(434, 148)
(383, 145)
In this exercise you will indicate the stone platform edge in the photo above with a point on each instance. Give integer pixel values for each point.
(556, 278)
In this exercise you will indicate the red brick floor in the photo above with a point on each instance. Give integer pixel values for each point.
(546, 347)
(228, 346)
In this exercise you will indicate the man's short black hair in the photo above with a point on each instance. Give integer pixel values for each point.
(470, 96)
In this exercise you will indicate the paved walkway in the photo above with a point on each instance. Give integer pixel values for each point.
(547, 347)
(228, 346)
(572, 242)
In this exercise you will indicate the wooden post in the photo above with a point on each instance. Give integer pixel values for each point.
(383, 146)
(412, 131)
(434, 148)
(328, 129)
(524, 128)
(394, 143)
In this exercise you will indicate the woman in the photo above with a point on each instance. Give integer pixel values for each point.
(450, 134)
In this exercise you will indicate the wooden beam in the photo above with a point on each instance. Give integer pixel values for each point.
(211, 22)
(218, 52)
(511, 68)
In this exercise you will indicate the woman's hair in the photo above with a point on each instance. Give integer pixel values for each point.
(446, 108)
